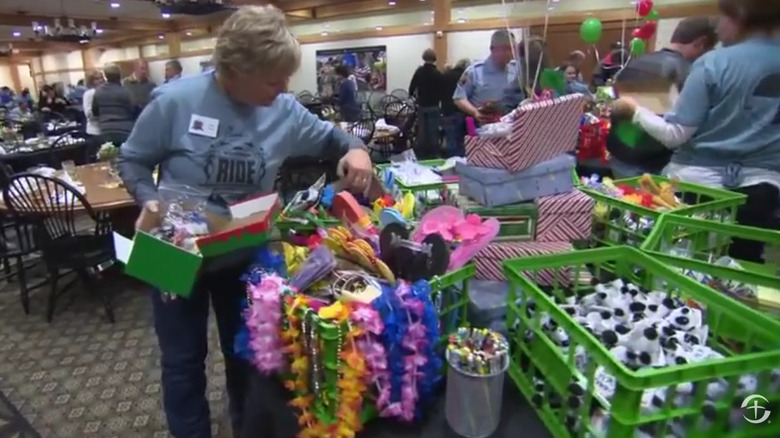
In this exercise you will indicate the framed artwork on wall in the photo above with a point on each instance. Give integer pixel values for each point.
(367, 66)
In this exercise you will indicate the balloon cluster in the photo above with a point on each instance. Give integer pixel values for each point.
(646, 10)
(591, 28)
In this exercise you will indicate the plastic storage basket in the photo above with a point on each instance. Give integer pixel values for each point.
(618, 222)
(535, 356)
(450, 294)
(419, 187)
(696, 245)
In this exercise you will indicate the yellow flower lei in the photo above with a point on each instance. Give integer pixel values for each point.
(352, 375)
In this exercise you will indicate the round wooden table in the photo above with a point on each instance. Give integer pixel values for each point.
(103, 191)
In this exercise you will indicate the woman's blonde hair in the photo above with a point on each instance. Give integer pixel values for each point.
(255, 39)
(94, 77)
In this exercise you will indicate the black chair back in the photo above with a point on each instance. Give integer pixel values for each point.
(51, 201)
(363, 129)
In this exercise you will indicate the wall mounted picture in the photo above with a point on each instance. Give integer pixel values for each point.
(366, 65)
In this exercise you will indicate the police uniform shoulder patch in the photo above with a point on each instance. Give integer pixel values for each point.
(464, 78)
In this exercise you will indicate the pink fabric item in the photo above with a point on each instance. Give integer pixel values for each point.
(470, 231)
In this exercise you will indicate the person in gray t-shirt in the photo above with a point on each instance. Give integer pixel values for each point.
(139, 85)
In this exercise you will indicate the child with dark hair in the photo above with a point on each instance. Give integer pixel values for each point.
(724, 129)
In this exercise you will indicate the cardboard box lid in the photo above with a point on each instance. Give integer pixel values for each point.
(657, 96)
(252, 216)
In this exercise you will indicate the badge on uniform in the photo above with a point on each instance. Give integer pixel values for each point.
(464, 78)
(205, 126)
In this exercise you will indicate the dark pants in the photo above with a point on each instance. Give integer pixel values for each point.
(182, 331)
(454, 134)
(116, 138)
(428, 132)
(758, 211)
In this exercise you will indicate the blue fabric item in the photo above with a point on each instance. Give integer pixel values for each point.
(497, 187)
(327, 197)
(203, 139)
(388, 305)
(732, 95)
(421, 290)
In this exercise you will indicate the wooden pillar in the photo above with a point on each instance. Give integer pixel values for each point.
(174, 44)
(16, 81)
(88, 60)
(442, 13)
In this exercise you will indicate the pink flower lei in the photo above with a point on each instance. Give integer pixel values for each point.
(370, 323)
(414, 341)
(263, 317)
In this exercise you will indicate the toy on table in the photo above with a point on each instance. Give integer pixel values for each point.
(344, 244)
(355, 287)
(410, 260)
(468, 234)
(593, 138)
(390, 210)
(347, 209)
(294, 256)
(318, 265)
(477, 351)
(648, 194)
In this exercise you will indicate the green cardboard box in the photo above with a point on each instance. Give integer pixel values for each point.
(175, 270)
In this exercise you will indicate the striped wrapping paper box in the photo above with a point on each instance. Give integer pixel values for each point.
(565, 217)
(540, 131)
(489, 262)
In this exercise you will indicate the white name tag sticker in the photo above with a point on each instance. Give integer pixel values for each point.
(205, 126)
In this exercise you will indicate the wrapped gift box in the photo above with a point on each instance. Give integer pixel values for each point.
(518, 221)
(497, 187)
(564, 217)
(539, 132)
(489, 262)
(173, 269)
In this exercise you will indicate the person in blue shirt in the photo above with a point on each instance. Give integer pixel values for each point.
(349, 107)
(496, 80)
(21, 112)
(6, 96)
(571, 74)
(224, 133)
(725, 126)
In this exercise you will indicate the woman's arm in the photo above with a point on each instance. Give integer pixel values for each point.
(87, 104)
(147, 146)
(689, 112)
(317, 138)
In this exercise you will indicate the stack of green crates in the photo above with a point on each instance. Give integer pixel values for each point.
(694, 245)
(747, 338)
(702, 202)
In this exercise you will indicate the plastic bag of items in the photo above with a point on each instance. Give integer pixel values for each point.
(184, 220)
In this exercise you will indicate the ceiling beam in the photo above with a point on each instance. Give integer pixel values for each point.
(112, 23)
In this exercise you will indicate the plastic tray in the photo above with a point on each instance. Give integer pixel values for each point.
(418, 187)
(709, 203)
(695, 244)
(535, 355)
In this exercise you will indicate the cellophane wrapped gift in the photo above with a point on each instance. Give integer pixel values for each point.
(489, 262)
(565, 217)
(540, 131)
(498, 187)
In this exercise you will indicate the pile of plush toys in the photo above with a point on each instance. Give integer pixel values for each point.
(647, 194)
(348, 318)
(642, 329)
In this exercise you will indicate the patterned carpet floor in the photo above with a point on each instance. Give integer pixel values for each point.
(81, 376)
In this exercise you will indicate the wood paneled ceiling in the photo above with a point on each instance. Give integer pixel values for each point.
(120, 20)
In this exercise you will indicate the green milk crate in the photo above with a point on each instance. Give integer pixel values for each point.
(535, 355)
(418, 187)
(694, 245)
(617, 222)
(450, 294)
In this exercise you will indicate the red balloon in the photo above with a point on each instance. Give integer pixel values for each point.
(644, 7)
(648, 29)
(637, 33)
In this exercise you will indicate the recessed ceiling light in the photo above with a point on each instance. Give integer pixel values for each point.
(16, 33)
(379, 28)
(189, 33)
(165, 15)
(391, 3)
(98, 30)
(324, 33)
(461, 20)
(160, 37)
(114, 5)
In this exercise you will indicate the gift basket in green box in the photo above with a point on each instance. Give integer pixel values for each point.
(628, 355)
(417, 176)
(627, 209)
(701, 249)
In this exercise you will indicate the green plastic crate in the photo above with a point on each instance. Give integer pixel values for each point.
(418, 187)
(450, 294)
(609, 227)
(695, 244)
(535, 355)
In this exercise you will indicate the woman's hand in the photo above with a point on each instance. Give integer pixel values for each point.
(149, 208)
(356, 170)
(624, 108)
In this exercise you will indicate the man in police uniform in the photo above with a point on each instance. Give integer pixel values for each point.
(494, 80)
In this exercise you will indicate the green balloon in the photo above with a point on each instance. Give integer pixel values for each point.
(590, 30)
(653, 15)
(637, 47)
